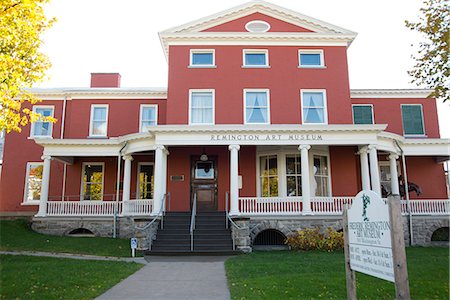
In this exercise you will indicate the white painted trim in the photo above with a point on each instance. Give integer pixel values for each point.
(390, 93)
(259, 22)
(91, 119)
(32, 127)
(423, 120)
(193, 51)
(142, 106)
(325, 108)
(139, 164)
(312, 51)
(267, 91)
(255, 51)
(371, 107)
(213, 92)
(69, 94)
(83, 165)
(25, 200)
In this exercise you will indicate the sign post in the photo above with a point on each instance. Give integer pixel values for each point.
(374, 242)
(133, 246)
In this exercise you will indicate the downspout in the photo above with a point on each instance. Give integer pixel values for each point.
(408, 203)
(119, 158)
(63, 120)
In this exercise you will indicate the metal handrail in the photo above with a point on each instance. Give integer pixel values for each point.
(194, 212)
(159, 214)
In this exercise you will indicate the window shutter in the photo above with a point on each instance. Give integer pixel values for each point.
(362, 114)
(412, 120)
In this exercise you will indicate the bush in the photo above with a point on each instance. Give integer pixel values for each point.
(313, 239)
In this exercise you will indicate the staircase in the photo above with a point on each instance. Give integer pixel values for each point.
(211, 237)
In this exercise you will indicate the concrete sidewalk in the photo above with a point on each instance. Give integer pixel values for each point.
(192, 277)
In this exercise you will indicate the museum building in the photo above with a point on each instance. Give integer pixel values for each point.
(258, 127)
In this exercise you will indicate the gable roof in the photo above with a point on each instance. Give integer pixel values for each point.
(322, 33)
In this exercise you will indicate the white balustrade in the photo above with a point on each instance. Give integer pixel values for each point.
(83, 208)
(329, 205)
(270, 205)
(138, 207)
(427, 207)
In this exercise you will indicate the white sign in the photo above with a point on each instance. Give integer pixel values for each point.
(133, 243)
(369, 234)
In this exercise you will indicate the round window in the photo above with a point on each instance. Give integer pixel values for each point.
(257, 26)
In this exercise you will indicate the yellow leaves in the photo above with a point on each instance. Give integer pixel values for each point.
(21, 62)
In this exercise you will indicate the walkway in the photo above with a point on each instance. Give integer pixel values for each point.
(174, 278)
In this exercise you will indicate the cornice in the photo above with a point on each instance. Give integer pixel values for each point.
(99, 93)
(390, 93)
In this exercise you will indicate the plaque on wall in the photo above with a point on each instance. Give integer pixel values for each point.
(177, 178)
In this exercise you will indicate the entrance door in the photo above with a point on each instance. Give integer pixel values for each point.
(204, 183)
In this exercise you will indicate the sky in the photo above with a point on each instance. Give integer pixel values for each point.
(122, 36)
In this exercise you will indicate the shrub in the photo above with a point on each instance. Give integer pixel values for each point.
(313, 239)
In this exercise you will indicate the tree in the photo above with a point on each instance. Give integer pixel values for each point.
(21, 63)
(432, 67)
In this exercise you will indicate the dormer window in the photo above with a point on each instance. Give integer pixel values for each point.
(257, 26)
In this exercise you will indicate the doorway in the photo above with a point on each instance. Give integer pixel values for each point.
(204, 183)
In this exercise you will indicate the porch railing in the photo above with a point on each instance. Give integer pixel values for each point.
(427, 207)
(138, 207)
(329, 205)
(83, 208)
(270, 205)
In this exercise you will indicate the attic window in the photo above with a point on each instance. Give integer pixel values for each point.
(257, 26)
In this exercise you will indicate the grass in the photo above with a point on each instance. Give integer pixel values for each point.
(321, 275)
(17, 235)
(28, 277)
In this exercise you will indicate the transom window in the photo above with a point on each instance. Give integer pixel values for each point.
(412, 119)
(321, 176)
(314, 107)
(145, 181)
(33, 182)
(362, 114)
(41, 128)
(269, 176)
(256, 58)
(311, 58)
(256, 107)
(293, 175)
(202, 58)
(201, 105)
(148, 116)
(204, 170)
(92, 181)
(99, 120)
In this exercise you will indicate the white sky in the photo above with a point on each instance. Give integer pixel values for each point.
(122, 36)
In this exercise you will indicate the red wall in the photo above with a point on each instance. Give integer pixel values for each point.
(284, 80)
(429, 175)
(344, 171)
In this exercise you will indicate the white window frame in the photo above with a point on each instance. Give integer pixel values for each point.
(423, 120)
(311, 51)
(325, 106)
(353, 114)
(138, 178)
(91, 120)
(255, 51)
(155, 106)
(32, 129)
(82, 180)
(267, 91)
(25, 192)
(213, 92)
(194, 51)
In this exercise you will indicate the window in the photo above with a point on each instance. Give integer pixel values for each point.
(269, 176)
(33, 182)
(99, 120)
(201, 107)
(257, 26)
(255, 58)
(321, 176)
(311, 59)
(92, 181)
(145, 181)
(40, 128)
(412, 119)
(202, 58)
(362, 114)
(148, 116)
(256, 107)
(314, 110)
(293, 175)
(204, 170)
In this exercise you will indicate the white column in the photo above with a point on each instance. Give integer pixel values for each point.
(234, 179)
(306, 190)
(395, 189)
(44, 186)
(365, 176)
(374, 170)
(164, 175)
(126, 183)
(158, 189)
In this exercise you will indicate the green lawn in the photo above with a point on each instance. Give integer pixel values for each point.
(314, 275)
(17, 235)
(28, 277)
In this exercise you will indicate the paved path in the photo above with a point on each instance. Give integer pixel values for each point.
(174, 278)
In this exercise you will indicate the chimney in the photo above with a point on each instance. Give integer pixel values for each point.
(105, 80)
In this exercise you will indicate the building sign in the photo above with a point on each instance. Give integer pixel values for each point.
(266, 137)
(369, 235)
